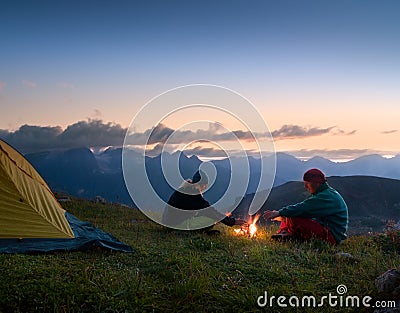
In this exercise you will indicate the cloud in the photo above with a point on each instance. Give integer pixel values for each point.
(97, 113)
(206, 152)
(29, 84)
(215, 127)
(238, 134)
(351, 133)
(161, 133)
(387, 132)
(2, 85)
(96, 133)
(340, 132)
(91, 133)
(156, 150)
(199, 151)
(296, 132)
(32, 138)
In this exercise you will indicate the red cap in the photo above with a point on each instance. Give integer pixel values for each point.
(314, 175)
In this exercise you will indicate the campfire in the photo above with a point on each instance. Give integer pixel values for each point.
(250, 229)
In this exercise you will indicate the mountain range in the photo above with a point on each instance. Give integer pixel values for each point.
(82, 173)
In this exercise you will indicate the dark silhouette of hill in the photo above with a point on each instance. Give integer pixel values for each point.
(70, 170)
(187, 167)
(371, 200)
(81, 173)
(77, 172)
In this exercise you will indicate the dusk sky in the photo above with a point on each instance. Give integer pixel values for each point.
(325, 75)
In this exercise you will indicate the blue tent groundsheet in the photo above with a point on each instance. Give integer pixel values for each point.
(87, 237)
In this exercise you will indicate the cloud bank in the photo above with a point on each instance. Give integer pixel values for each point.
(91, 133)
(299, 132)
(162, 133)
(387, 132)
(96, 133)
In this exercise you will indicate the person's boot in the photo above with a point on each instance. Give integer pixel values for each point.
(282, 236)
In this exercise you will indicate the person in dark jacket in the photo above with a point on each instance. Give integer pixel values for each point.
(324, 215)
(187, 208)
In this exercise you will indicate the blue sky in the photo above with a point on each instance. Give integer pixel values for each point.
(309, 64)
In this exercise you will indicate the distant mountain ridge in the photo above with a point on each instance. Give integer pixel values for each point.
(80, 172)
(290, 168)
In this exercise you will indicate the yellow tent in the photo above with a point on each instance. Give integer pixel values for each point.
(28, 209)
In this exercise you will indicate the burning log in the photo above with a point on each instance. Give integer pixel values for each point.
(250, 229)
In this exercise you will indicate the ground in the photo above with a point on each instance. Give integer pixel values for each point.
(175, 271)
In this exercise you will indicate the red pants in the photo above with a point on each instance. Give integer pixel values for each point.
(306, 228)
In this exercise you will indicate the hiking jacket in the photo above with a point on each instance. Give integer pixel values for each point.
(188, 199)
(325, 206)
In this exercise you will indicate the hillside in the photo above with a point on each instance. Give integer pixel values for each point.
(77, 172)
(371, 200)
(172, 271)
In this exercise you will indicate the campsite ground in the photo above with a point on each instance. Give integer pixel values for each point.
(172, 271)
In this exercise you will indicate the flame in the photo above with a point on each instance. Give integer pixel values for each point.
(238, 230)
(253, 227)
(250, 230)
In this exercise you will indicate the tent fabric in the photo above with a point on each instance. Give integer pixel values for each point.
(31, 218)
(87, 237)
(28, 209)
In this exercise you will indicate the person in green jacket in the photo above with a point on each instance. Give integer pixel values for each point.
(324, 215)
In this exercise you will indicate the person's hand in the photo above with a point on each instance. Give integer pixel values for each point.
(241, 222)
(270, 215)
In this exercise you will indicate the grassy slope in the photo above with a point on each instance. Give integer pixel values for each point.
(184, 272)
